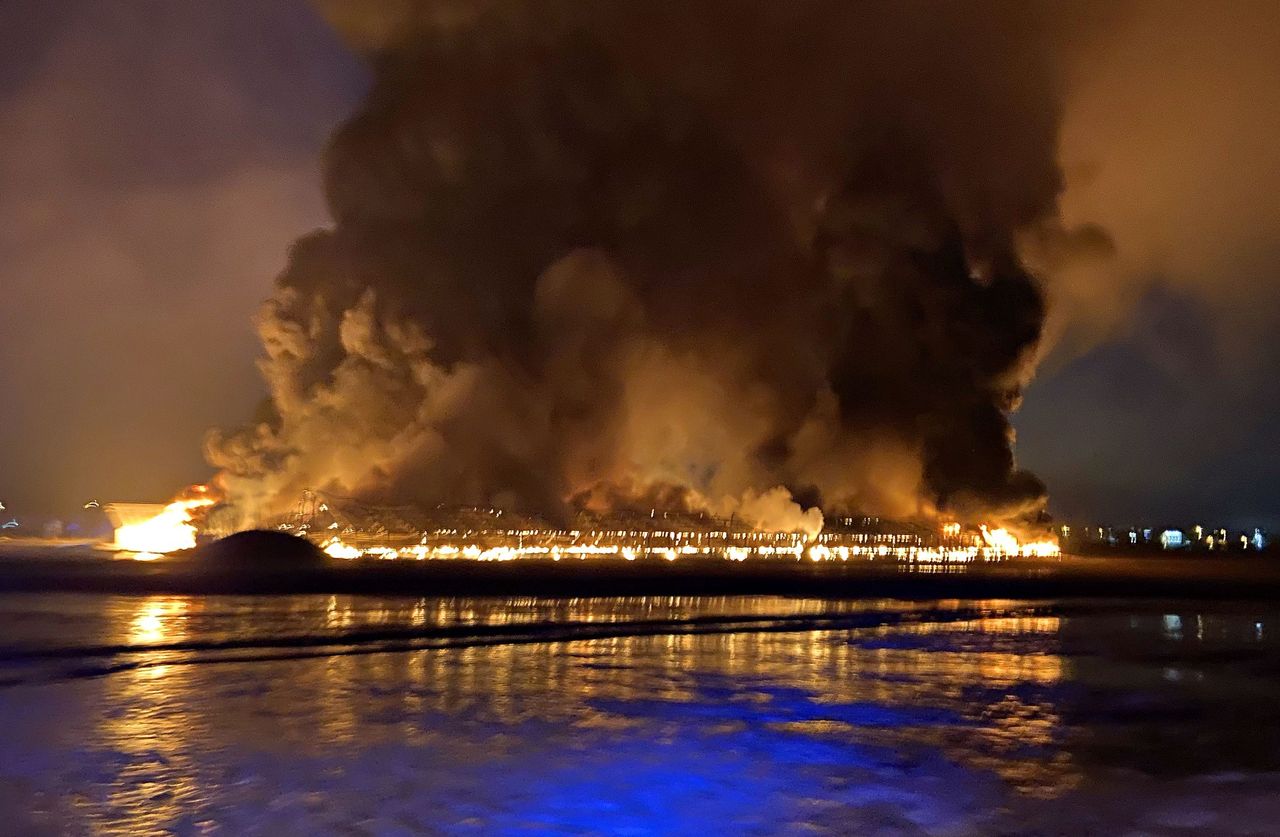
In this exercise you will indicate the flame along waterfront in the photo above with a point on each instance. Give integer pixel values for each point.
(991, 545)
(348, 530)
(504, 538)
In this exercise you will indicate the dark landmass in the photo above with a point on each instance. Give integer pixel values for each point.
(1156, 577)
(259, 550)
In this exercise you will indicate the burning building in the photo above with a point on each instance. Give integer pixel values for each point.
(749, 262)
(151, 529)
(348, 529)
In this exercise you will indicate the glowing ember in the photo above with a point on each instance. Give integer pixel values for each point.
(169, 531)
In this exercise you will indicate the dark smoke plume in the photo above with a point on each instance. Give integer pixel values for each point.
(723, 254)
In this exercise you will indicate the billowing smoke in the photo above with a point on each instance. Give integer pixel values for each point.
(752, 257)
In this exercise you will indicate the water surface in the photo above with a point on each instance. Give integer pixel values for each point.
(318, 714)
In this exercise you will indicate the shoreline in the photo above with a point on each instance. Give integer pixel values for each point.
(1252, 578)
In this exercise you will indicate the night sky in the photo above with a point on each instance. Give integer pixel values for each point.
(158, 158)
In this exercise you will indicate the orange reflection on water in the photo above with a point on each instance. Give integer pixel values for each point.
(794, 682)
(158, 619)
(147, 723)
(1014, 737)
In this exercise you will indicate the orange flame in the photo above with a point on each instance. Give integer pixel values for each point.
(1001, 543)
(173, 529)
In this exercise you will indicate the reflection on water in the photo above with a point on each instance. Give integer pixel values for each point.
(158, 620)
(493, 712)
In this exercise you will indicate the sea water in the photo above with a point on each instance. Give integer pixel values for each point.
(652, 715)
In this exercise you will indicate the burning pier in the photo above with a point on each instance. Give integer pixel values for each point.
(349, 529)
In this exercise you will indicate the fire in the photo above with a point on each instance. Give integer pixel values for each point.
(174, 528)
(996, 544)
(486, 535)
(1000, 543)
(335, 548)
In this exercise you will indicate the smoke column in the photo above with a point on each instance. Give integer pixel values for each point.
(751, 257)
